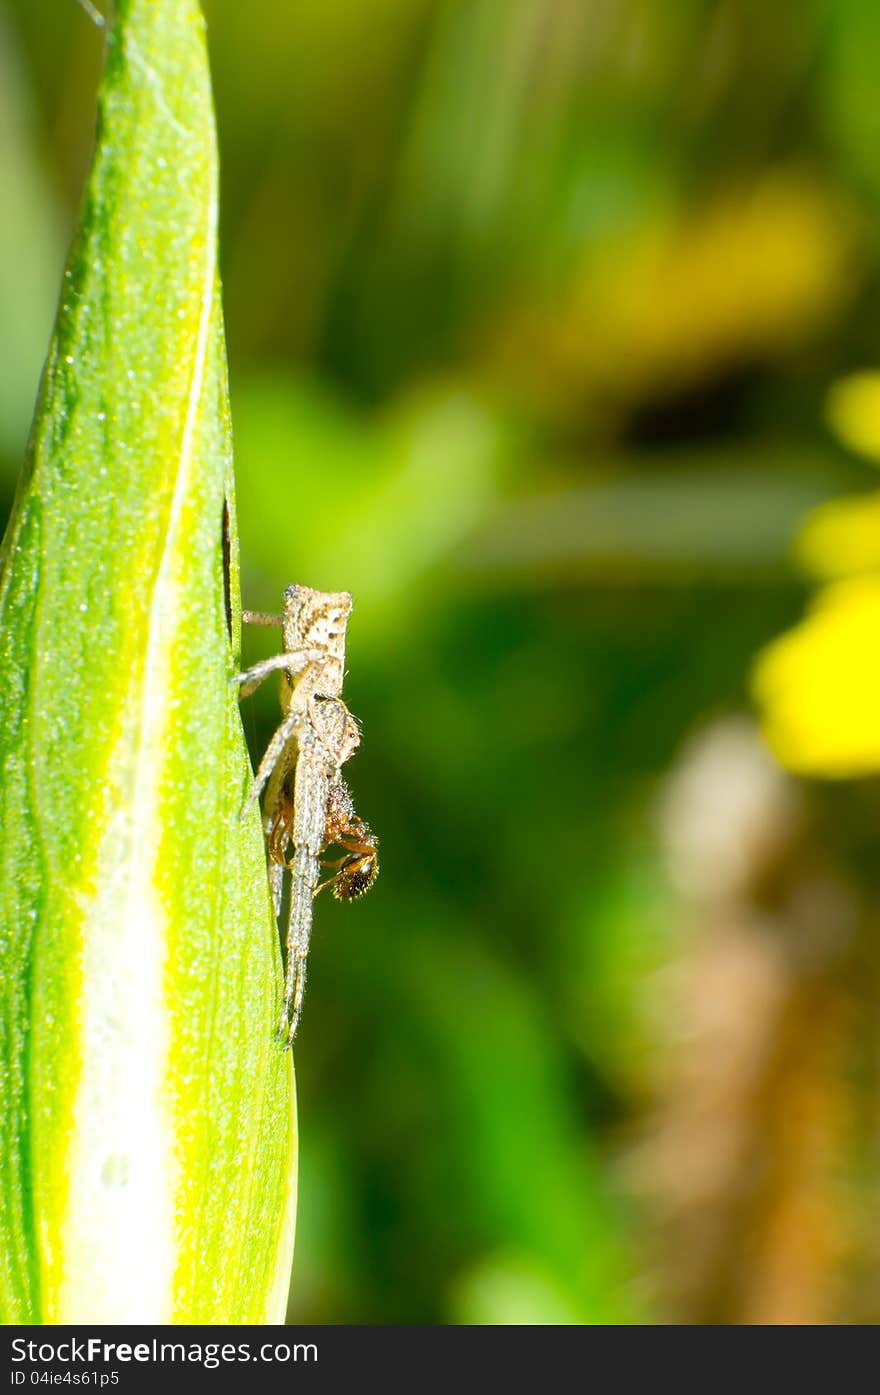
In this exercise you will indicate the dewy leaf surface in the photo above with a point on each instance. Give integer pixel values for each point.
(148, 1116)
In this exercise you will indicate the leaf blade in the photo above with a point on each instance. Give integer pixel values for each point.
(155, 1114)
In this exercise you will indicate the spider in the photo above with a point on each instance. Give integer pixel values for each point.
(307, 804)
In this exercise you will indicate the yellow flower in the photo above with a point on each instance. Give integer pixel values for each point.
(819, 684)
(854, 413)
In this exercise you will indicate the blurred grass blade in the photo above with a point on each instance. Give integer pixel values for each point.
(30, 255)
(148, 1118)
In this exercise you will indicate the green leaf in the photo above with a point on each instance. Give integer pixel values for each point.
(148, 1130)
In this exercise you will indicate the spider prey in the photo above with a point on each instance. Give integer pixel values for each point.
(308, 807)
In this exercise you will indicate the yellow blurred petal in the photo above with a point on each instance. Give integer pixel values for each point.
(841, 538)
(740, 279)
(819, 685)
(853, 413)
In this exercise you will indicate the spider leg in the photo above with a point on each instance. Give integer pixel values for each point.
(291, 661)
(293, 996)
(272, 755)
(276, 877)
(304, 871)
(259, 617)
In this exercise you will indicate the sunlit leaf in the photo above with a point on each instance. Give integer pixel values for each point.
(147, 1127)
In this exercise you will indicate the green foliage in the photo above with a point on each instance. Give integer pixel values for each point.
(532, 308)
(147, 1120)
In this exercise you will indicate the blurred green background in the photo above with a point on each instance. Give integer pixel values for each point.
(532, 311)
